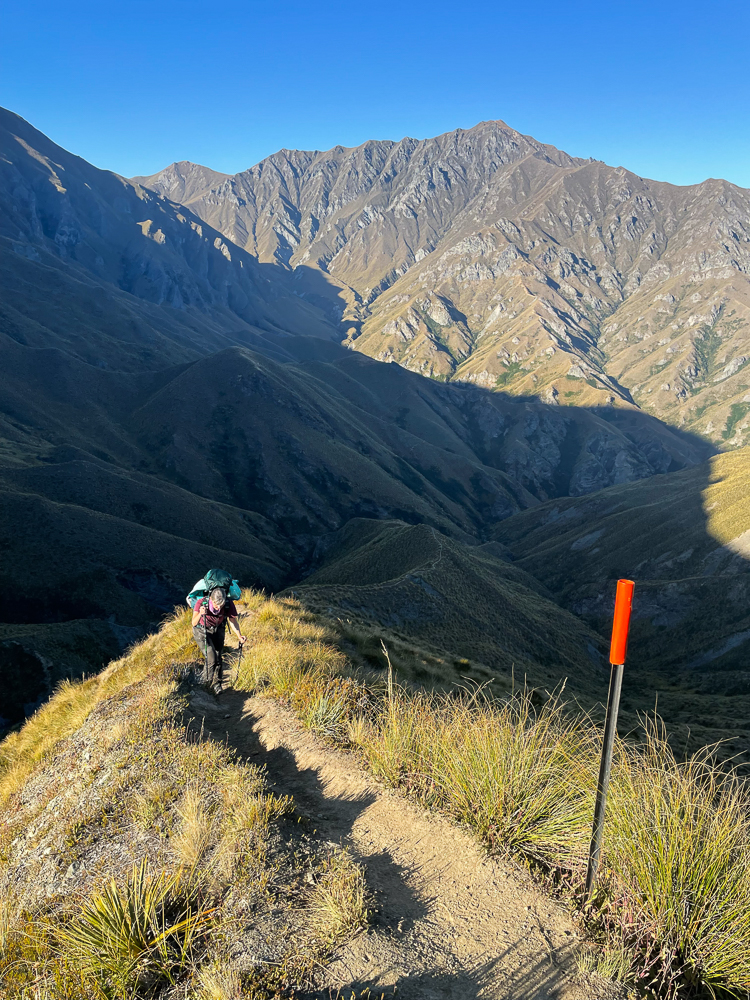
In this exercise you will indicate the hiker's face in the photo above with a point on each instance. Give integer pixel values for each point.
(218, 600)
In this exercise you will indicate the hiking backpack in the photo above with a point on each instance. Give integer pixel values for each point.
(214, 578)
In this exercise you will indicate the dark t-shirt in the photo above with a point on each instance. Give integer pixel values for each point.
(215, 618)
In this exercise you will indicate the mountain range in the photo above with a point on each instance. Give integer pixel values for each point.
(485, 256)
(194, 375)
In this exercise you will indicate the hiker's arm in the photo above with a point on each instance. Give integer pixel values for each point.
(234, 625)
(197, 612)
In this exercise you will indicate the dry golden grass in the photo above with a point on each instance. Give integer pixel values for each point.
(193, 838)
(339, 898)
(673, 908)
(218, 981)
(139, 931)
(8, 923)
(74, 701)
(673, 904)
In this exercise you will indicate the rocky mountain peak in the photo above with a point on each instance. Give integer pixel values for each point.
(183, 181)
(562, 277)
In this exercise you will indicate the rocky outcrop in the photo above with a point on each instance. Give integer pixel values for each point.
(555, 275)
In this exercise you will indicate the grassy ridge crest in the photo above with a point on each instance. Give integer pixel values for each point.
(673, 906)
(170, 838)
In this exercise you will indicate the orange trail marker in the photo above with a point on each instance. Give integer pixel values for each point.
(617, 650)
(621, 623)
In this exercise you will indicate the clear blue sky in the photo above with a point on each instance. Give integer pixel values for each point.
(659, 87)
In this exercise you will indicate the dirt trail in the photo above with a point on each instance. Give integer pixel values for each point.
(451, 922)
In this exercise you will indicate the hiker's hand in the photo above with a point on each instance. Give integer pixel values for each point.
(241, 640)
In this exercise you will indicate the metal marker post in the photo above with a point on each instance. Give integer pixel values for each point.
(617, 650)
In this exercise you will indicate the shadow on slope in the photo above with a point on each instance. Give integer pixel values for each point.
(121, 489)
(685, 539)
(426, 588)
(122, 278)
(231, 720)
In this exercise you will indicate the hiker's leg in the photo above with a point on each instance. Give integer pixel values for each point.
(200, 637)
(214, 658)
(211, 655)
(218, 678)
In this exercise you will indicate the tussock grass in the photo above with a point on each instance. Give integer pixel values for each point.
(516, 774)
(339, 898)
(218, 981)
(8, 924)
(132, 935)
(679, 857)
(150, 803)
(673, 904)
(202, 818)
(191, 842)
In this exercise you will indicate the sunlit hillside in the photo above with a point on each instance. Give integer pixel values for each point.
(142, 852)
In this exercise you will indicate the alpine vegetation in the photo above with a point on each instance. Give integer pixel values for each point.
(140, 855)
(672, 909)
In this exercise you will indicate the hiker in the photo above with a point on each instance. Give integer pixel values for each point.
(210, 615)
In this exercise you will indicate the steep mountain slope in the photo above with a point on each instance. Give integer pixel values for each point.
(107, 270)
(484, 255)
(429, 589)
(119, 489)
(170, 402)
(684, 538)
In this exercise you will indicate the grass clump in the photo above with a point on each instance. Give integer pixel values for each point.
(191, 842)
(339, 898)
(218, 981)
(679, 860)
(131, 937)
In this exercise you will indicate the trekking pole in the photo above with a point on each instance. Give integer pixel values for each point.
(617, 650)
(205, 642)
(239, 662)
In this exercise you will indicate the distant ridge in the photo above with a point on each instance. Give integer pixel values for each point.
(184, 181)
(144, 283)
(170, 401)
(484, 255)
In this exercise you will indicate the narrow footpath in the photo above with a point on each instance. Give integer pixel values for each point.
(450, 922)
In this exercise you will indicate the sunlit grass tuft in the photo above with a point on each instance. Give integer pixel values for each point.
(218, 981)
(136, 933)
(339, 898)
(193, 838)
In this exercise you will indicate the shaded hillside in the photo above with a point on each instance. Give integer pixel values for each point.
(118, 276)
(684, 539)
(485, 255)
(120, 489)
(432, 590)
(170, 403)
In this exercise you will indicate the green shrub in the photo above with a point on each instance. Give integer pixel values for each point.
(139, 934)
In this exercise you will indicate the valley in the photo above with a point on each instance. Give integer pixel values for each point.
(427, 401)
(195, 376)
